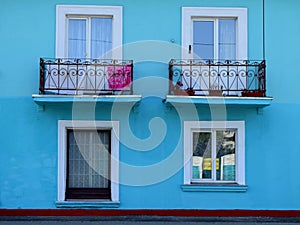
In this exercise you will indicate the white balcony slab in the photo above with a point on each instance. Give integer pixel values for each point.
(258, 102)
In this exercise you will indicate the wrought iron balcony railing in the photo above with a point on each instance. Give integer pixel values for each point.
(85, 76)
(217, 78)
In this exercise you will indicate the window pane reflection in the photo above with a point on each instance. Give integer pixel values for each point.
(203, 36)
(225, 157)
(202, 155)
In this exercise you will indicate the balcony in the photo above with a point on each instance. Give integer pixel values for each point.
(66, 80)
(218, 82)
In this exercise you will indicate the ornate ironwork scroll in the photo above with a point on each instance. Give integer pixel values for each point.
(85, 76)
(213, 77)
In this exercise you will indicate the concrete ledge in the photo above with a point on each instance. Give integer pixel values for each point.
(87, 205)
(64, 99)
(214, 188)
(214, 100)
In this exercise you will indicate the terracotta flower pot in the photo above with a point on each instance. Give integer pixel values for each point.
(190, 92)
(253, 94)
(184, 92)
(179, 92)
(215, 92)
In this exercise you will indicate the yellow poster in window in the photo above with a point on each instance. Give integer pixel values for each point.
(208, 164)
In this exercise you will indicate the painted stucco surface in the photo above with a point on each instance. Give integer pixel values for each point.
(28, 153)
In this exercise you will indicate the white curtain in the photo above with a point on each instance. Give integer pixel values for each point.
(227, 39)
(88, 159)
(77, 38)
(100, 38)
(101, 43)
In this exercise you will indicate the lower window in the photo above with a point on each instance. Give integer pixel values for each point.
(214, 152)
(88, 161)
(214, 155)
(88, 164)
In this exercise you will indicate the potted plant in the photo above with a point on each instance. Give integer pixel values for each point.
(178, 88)
(253, 93)
(215, 91)
(179, 91)
(190, 91)
(244, 93)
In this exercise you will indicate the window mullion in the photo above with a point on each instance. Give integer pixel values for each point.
(90, 157)
(216, 39)
(213, 155)
(66, 44)
(237, 162)
(88, 38)
(191, 40)
(191, 153)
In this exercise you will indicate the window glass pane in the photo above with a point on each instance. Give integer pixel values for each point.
(101, 42)
(88, 165)
(226, 155)
(77, 38)
(203, 39)
(202, 154)
(227, 39)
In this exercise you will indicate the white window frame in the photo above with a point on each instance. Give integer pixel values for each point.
(198, 126)
(63, 126)
(189, 14)
(65, 11)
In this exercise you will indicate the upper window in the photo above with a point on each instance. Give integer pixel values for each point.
(214, 152)
(214, 38)
(89, 37)
(88, 164)
(89, 32)
(214, 33)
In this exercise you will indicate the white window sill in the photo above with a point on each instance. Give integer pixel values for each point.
(214, 188)
(87, 204)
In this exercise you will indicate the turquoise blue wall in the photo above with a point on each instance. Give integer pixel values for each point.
(28, 153)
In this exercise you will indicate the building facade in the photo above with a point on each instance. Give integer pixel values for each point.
(149, 104)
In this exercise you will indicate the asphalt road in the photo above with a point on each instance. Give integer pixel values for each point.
(132, 223)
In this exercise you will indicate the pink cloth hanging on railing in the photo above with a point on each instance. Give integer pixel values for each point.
(119, 76)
